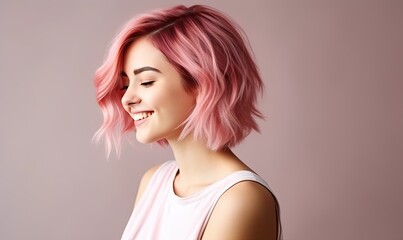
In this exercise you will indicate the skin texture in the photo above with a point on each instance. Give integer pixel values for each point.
(245, 211)
(159, 91)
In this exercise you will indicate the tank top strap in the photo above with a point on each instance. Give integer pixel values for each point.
(166, 171)
(159, 182)
(230, 181)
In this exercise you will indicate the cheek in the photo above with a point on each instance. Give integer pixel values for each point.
(159, 99)
(174, 102)
(125, 107)
(183, 105)
(124, 99)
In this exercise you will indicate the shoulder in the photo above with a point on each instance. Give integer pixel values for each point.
(246, 211)
(145, 180)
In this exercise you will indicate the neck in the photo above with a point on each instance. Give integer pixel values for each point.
(199, 165)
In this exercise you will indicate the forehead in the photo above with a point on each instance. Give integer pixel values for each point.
(143, 53)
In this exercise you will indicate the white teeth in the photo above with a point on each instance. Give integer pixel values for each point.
(142, 115)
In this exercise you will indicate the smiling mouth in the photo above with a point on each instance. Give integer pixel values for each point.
(142, 115)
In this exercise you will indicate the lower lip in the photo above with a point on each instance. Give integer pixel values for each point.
(140, 122)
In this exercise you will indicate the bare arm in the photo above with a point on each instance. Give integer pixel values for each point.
(245, 211)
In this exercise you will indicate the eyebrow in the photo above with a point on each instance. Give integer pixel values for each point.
(146, 68)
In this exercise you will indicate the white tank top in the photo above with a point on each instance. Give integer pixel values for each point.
(162, 215)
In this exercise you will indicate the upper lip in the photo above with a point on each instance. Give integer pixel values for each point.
(140, 111)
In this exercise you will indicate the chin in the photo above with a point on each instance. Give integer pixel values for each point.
(144, 140)
(147, 139)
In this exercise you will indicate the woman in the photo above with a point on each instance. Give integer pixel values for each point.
(184, 77)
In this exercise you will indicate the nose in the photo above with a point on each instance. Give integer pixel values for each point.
(130, 98)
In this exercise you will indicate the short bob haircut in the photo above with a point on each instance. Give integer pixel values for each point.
(212, 55)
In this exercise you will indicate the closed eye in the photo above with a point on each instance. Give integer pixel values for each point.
(147, 83)
(124, 84)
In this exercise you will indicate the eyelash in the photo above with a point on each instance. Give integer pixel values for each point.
(144, 84)
(147, 83)
(125, 84)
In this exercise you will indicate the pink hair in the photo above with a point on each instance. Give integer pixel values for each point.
(210, 53)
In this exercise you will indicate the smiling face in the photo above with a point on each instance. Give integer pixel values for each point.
(154, 96)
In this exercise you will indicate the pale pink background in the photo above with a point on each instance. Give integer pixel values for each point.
(331, 147)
